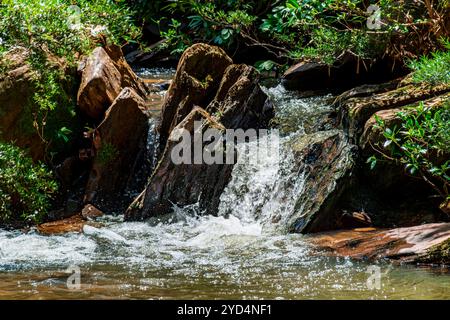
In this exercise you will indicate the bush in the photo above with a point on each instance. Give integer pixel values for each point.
(25, 188)
(53, 29)
(288, 30)
(421, 143)
(434, 70)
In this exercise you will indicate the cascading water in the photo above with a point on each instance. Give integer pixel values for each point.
(242, 253)
(265, 190)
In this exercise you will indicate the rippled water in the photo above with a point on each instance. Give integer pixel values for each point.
(205, 257)
(237, 255)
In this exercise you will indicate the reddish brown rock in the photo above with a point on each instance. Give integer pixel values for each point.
(100, 84)
(72, 224)
(198, 77)
(186, 183)
(239, 102)
(91, 212)
(16, 92)
(117, 141)
(104, 74)
(410, 245)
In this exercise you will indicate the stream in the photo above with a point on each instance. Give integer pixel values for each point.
(240, 254)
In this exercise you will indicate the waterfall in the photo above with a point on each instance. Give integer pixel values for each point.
(266, 190)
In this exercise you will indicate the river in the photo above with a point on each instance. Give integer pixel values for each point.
(240, 254)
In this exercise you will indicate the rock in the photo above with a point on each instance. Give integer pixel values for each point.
(197, 79)
(72, 224)
(91, 212)
(351, 220)
(117, 141)
(104, 74)
(354, 112)
(16, 91)
(100, 84)
(183, 184)
(327, 159)
(206, 78)
(373, 135)
(425, 243)
(346, 72)
(239, 102)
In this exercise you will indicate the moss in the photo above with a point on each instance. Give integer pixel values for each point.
(439, 254)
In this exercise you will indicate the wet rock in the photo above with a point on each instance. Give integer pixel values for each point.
(117, 141)
(100, 84)
(72, 224)
(197, 79)
(327, 159)
(104, 74)
(91, 212)
(16, 92)
(425, 243)
(187, 183)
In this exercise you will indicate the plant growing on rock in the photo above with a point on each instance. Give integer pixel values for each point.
(56, 36)
(434, 69)
(25, 188)
(421, 143)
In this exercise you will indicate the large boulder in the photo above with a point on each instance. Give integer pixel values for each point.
(117, 141)
(199, 73)
(180, 184)
(427, 243)
(16, 93)
(390, 195)
(104, 74)
(206, 79)
(326, 162)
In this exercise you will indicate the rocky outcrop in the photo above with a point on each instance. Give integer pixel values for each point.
(388, 193)
(103, 76)
(373, 135)
(327, 159)
(117, 141)
(184, 183)
(16, 93)
(199, 73)
(356, 111)
(207, 87)
(427, 243)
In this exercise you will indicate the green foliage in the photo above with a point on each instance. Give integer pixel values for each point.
(434, 70)
(25, 188)
(57, 33)
(421, 143)
(288, 30)
(56, 26)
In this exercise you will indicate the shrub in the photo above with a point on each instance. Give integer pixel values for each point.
(421, 143)
(435, 69)
(25, 188)
(53, 29)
